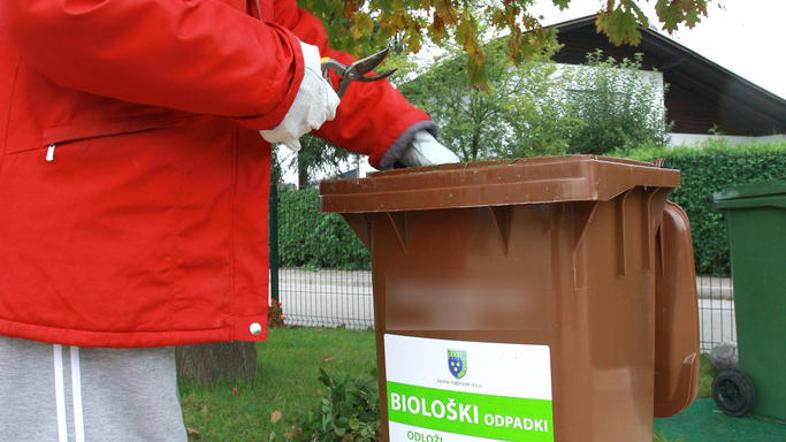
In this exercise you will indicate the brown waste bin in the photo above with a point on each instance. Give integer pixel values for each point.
(548, 299)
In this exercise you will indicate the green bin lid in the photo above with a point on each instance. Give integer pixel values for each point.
(766, 193)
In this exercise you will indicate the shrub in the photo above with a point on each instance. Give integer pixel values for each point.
(348, 411)
(616, 105)
(275, 315)
(309, 238)
(705, 170)
(517, 115)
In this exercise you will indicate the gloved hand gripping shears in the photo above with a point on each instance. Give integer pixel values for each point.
(356, 71)
(313, 105)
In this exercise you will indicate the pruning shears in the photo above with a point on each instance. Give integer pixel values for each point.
(356, 71)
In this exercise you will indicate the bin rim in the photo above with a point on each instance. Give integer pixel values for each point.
(758, 189)
(502, 163)
(539, 180)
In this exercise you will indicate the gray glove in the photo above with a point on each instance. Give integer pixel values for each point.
(425, 150)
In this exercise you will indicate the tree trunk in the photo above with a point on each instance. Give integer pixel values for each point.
(475, 144)
(210, 362)
(302, 171)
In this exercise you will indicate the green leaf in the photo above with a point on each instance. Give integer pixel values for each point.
(620, 25)
(674, 12)
(349, 411)
(561, 4)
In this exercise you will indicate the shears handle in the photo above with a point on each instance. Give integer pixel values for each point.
(356, 71)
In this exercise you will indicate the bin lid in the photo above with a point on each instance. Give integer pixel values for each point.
(495, 183)
(760, 194)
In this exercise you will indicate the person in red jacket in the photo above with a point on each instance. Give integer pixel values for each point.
(134, 178)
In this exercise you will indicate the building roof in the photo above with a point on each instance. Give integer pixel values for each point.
(702, 94)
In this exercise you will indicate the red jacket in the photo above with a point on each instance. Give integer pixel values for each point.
(133, 181)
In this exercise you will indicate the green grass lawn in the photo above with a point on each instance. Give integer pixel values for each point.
(287, 383)
(705, 378)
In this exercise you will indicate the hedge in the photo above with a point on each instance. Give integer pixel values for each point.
(316, 240)
(705, 170)
(308, 238)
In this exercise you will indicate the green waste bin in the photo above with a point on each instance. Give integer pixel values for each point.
(756, 218)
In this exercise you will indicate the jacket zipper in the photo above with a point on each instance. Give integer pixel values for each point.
(61, 139)
(50, 152)
(50, 148)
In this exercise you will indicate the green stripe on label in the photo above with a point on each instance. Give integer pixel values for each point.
(471, 414)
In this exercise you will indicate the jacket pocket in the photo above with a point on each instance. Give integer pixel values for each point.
(64, 135)
(127, 227)
(56, 136)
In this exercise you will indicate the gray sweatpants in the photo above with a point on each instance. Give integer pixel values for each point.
(71, 394)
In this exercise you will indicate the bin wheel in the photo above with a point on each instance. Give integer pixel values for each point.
(733, 392)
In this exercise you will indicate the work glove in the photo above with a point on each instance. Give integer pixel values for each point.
(425, 150)
(315, 103)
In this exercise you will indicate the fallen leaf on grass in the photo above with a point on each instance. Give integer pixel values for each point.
(193, 433)
(276, 416)
(328, 358)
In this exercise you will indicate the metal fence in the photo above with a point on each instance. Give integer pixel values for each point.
(317, 297)
(716, 311)
(338, 298)
(327, 298)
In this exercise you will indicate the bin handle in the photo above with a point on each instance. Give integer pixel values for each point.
(676, 315)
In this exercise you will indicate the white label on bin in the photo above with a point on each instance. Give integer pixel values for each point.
(444, 390)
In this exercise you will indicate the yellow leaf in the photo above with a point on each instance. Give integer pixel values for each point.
(438, 28)
(193, 433)
(350, 8)
(276, 416)
(414, 42)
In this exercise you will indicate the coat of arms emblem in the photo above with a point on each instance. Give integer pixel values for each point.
(457, 363)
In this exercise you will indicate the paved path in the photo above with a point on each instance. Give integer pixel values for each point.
(714, 287)
(329, 298)
(334, 298)
(717, 323)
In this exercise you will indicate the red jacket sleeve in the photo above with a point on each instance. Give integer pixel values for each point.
(200, 56)
(373, 118)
